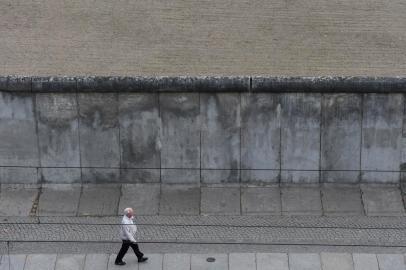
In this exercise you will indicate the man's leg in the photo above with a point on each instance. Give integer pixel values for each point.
(123, 251)
(137, 251)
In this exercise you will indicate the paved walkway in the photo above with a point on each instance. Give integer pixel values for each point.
(157, 199)
(231, 261)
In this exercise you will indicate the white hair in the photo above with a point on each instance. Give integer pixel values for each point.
(127, 210)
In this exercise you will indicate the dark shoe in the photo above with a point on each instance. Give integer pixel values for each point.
(143, 259)
(119, 263)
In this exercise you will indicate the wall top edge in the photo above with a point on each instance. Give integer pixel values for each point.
(270, 84)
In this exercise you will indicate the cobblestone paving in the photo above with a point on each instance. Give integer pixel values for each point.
(236, 230)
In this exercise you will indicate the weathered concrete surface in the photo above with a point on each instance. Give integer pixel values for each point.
(336, 261)
(220, 137)
(99, 133)
(18, 142)
(300, 138)
(341, 200)
(301, 201)
(99, 200)
(261, 200)
(260, 138)
(240, 261)
(40, 262)
(176, 261)
(96, 261)
(382, 201)
(180, 136)
(381, 137)
(143, 198)
(304, 261)
(12, 262)
(58, 132)
(277, 261)
(363, 261)
(243, 37)
(220, 201)
(70, 261)
(18, 175)
(100, 175)
(341, 137)
(179, 199)
(391, 261)
(60, 175)
(140, 176)
(17, 200)
(59, 200)
(139, 130)
(198, 262)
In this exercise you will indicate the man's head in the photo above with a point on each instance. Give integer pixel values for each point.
(129, 212)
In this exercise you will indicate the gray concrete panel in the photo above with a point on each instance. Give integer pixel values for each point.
(272, 261)
(304, 261)
(60, 175)
(99, 200)
(261, 200)
(380, 177)
(198, 262)
(179, 200)
(364, 261)
(298, 176)
(260, 132)
(154, 262)
(391, 261)
(100, 175)
(70, 262)
(381, 134)
(58, 133)
(220, 201)
(18, 175)
(336, 261)
(301, 201)
(341, 200)
(180, 130)
(140, 176)
(176, 261)
(180, 176)
(140, 130)
(300, 133)
(260, 176)
(17, 200)
(40, 262)
(13, 262)
(241, 261)
(143, 198)
(99, 130)
(340, 176)
(96, 261)
(341, 136)
(18, 136)
(220, 135)
(59, 200)
(213, 176)
(382, 201)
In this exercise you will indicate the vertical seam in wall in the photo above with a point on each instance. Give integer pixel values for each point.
(119, 135)
(200, 146)
(279, 97)
(240, 130)
(159, 134)
(361, 140)
(320, 139)
(78, 122)
(401, 148)
(39, 164)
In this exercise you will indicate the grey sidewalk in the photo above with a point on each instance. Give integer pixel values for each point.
(157, 199)
(187, 261)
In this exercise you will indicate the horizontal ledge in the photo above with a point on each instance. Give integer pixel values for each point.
(204, 84)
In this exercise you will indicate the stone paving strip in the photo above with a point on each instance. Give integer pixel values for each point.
(218, 230)
(220, 261)
(163, 199)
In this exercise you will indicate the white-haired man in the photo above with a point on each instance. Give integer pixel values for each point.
(127, 233)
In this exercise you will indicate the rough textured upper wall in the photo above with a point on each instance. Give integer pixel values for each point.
(202, 130)
(203, 37)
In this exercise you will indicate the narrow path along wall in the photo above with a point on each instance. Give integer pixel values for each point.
(201, 130)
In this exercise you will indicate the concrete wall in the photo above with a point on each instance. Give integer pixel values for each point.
(208, 131)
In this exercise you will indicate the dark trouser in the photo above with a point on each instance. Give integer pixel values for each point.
(124, 248)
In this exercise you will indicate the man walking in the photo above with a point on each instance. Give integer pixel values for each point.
(127, 233)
